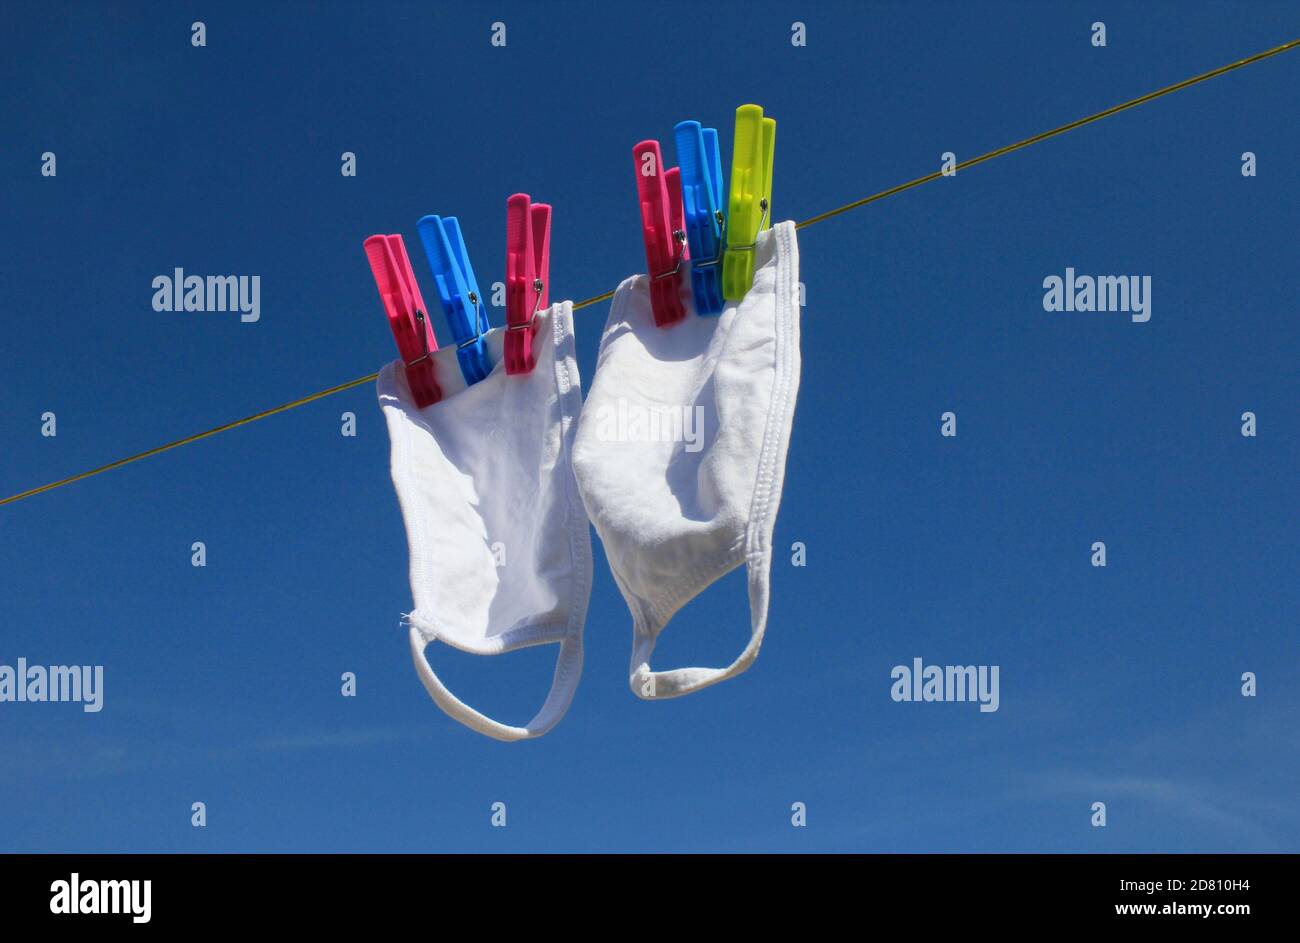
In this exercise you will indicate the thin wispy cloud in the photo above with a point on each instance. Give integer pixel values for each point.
(34, 760)
(1225, 811)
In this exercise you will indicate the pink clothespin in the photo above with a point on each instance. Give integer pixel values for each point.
(407, 315)
(528, 264)
(663, 227)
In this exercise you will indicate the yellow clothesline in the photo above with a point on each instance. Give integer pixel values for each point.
(605, 296)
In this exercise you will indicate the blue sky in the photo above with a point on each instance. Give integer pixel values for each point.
(1118, 685)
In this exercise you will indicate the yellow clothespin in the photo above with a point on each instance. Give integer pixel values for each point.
(750, 204)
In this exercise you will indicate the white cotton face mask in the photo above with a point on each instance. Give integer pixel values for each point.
(680, 454)
(500, 550)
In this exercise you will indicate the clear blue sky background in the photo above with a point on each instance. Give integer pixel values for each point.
(222, 684)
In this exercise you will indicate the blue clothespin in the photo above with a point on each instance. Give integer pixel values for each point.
(458, 290)
(702, 200)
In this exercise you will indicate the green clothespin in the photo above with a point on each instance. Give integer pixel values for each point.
(750, 203)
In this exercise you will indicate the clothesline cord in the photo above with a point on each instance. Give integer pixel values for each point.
(605, 296)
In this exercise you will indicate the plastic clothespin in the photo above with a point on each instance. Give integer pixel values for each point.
(663, 229)
(458, 291)
(528, 264)
(407, 315)
(750, 207)
(702, 195)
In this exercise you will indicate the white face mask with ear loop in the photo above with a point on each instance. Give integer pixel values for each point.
(681, 448)
(486, 473)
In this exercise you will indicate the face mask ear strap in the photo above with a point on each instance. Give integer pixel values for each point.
(655, 685)
(568, 669)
